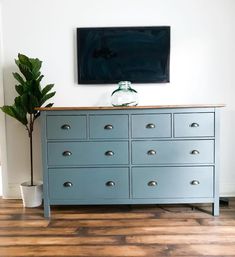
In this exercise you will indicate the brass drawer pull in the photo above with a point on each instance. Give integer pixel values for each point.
(108, 127)
(151, 152)
(194, 125)
(150, 126)
(68, 184)
(152, 183)
(195, 152)
(65, 127)
(67, 153)
(195, 182)
(110, 184)
(109, 153)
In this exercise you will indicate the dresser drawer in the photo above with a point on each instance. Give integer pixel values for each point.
(108, 126)
(194, 125)
(89, 183)
(66, 127)
(172, 182)
(151, 125)
(163, 152)
(87, 153)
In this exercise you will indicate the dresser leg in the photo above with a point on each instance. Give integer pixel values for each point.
(47, 210)
(215, 208)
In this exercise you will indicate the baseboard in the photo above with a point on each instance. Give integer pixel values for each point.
(227, 190)
(13, 191)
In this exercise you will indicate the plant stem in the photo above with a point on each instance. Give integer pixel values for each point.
(31, 146)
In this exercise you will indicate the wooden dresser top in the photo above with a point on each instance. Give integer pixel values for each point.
(73, 108)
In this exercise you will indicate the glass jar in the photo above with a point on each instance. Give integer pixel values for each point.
(124, 95)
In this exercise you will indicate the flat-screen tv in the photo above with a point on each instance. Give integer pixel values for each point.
(113, 54)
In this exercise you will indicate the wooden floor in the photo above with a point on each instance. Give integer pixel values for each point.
(166, 230)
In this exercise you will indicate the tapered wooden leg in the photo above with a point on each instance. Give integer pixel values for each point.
(215, 208)
(47, 210)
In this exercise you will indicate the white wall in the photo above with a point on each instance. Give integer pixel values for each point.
(3, 144)
(202, 62)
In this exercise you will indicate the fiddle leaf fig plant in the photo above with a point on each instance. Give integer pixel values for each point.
(30, 96)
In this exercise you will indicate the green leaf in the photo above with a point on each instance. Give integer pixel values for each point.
(46, 97)
(19, 89)
(40, 78)
(36, 65)
(36, 89)
(47, 88)
(29, 102)
(33, 103)
(20, 115)
(24, 60)
(25, 70)
(15, 113)
(8, 110)
(19, 103)
(18, 78)
(49, 105)
(23, 102)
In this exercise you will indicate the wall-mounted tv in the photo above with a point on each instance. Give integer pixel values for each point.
(113, 54)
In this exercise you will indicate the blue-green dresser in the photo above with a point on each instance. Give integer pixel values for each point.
(130, 155)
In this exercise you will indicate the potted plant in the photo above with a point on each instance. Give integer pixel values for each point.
(30, 96)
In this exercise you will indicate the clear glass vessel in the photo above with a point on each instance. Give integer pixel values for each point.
(124, 95)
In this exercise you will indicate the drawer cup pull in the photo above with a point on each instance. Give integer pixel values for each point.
(109, 153)
(108, 127)
(68, 184)
(195, 152)
(194, 125)
(152, 183)
(67, 153)
(150, 126)
(195, 182)
(65, 127)
(110, 184)
(151, 152)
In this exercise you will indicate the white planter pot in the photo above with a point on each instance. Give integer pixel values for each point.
(31, 195)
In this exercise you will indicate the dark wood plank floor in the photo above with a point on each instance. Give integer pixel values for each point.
(162, 230)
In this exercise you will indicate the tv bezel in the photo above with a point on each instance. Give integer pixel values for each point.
(93, 82)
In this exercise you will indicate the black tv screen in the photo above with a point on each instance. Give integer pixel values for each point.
(135, 54)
